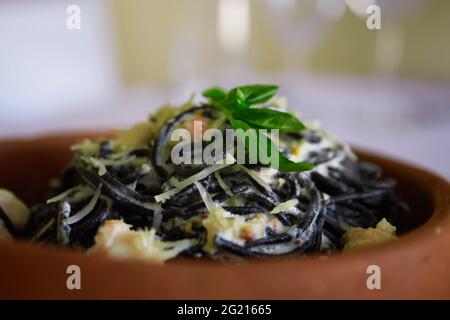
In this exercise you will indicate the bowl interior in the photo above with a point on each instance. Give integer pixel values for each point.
(26, 167)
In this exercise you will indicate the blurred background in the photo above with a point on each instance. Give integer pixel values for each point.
(387, 90)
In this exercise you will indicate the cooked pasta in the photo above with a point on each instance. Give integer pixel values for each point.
(128, 189)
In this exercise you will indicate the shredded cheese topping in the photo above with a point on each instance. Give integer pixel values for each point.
(117, 239)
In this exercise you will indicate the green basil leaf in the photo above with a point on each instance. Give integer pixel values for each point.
(240, 97)
(228, 113)
(283, 164)
(230, 101)
(258, 93)
(269, 148)
(214, 94)
(270, 119)
(239, 124)
(286, 165)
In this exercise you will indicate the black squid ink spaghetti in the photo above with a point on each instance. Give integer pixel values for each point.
(127, 197)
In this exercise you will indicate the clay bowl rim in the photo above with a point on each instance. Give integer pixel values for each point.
(422, 237)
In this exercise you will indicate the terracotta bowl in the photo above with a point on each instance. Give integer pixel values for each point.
(415, 266)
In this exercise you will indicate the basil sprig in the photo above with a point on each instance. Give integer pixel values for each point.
(236, 105)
